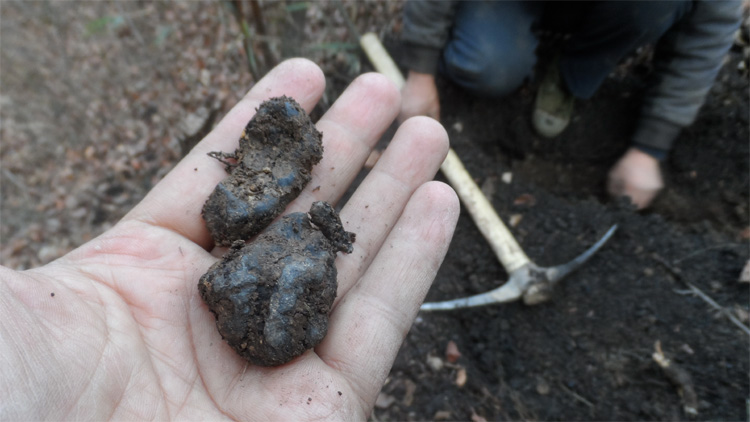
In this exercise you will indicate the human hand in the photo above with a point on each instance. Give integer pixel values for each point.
(636, 175)
(116, 329)
(419, 97)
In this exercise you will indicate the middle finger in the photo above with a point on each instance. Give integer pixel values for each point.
(411, 159)
(351, 127)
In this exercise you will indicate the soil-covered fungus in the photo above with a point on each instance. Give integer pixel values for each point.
(271, 298)
(271, 166)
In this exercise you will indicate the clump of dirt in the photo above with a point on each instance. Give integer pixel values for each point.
(271, 298)
(277, 152)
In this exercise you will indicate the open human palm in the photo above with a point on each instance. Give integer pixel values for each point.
(116, 328)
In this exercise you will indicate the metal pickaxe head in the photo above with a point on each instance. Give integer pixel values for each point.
(531, 282)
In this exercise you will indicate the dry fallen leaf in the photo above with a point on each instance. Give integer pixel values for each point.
(17, 245)
(461, 377)
(745, 274)
(451, 352)
(410, 387)
(477, 418)
(442, 415)
(89, 152)
(515, 219)
(525, 199)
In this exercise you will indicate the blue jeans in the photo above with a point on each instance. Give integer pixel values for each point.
(491, 50)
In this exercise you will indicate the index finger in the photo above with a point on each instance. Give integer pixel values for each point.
(176, 202)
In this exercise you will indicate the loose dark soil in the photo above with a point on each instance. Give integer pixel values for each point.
(586, 354)
(278, 149)
(271, 298)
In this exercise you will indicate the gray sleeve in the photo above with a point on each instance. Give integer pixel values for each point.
(687, 61)
(426, 30)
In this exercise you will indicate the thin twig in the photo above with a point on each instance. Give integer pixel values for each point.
(247, 39)
(132, 26)
(679, 377)
(576, 395)
(222, 29)
(698, 292)
(669, 267)
(683, 292)
(700, 251)
(25, 191)
(718, 307)
(269, 60)
(353, 31)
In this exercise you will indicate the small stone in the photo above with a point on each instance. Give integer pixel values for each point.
(205, 77)
(507, 177)
(741, 314)
(435, 363)
(542, 387)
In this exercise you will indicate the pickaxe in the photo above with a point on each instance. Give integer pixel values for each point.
(527, 280)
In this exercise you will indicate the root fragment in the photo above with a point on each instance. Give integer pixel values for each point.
(680, 378)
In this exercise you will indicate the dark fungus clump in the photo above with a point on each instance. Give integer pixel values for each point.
(271, 298)
(272, 165)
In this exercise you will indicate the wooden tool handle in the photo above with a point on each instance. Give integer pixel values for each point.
(380, 58)
(502, 242)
